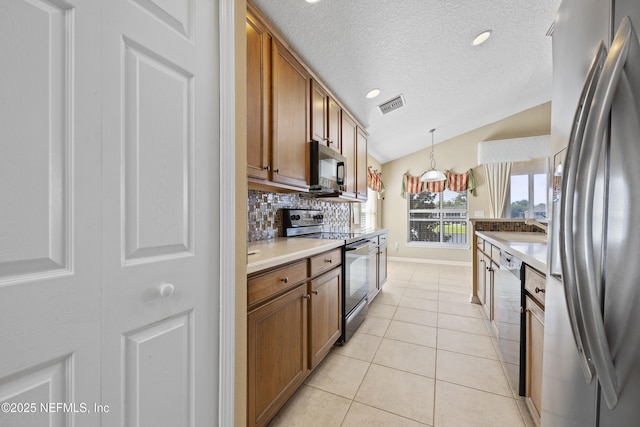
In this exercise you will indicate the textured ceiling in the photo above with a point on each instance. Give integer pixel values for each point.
(422, 49)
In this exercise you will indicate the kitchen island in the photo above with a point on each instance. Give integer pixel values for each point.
(510, 284)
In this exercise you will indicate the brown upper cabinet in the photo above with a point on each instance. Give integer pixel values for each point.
(287, 106)
(258, 98)
(325, 117)
(361, 165)
(290, 119)
(349, 152)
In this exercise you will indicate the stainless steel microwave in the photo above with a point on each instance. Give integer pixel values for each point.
(327, 170)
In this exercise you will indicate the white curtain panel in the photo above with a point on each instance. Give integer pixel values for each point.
(498, 176)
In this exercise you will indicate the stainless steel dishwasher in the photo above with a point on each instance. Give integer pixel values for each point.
(507, 314)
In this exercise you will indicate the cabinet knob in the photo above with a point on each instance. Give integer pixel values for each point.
(267, 168)
(315, 292)
(285, 280)
(167, 290)
(307, 297)
(276, 170)
(328, 260)
(539, 290)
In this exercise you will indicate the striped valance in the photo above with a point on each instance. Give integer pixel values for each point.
(458, 182)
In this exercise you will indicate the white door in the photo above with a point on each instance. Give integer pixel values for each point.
(160, 201)
(49, 212)
(108, 203)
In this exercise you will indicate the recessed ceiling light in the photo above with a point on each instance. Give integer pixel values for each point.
(481, 38)
(373, 93)
(312, 1)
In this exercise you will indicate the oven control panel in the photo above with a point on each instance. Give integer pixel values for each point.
(301, 218)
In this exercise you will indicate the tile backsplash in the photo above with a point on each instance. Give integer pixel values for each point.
(264, 220)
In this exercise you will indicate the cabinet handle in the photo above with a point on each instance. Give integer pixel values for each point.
(276, 170)
(307, 297)
(285, 280)
(267, 168)
(328, 260)
(315, 292)
(539, 290)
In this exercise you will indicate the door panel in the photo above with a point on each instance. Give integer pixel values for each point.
(49, 219)
(158, 150)
(161, 138)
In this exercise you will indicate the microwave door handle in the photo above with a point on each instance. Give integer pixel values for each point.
(567, 202)
(594, 134)
(340, 173)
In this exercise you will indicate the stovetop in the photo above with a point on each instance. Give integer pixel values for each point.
(310, 223)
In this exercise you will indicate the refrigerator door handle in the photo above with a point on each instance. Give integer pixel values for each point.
(588, 281)
(567, 203)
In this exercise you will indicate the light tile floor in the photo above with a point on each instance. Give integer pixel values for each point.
(423, 356)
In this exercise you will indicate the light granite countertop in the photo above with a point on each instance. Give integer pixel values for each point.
(269, 253)
(530, 248)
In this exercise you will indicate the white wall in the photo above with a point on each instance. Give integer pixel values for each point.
(458, 155)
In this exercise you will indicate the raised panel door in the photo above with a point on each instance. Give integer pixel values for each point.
(258, 97)
(481, 272)
(319, 112)
(325, 325)
(49, 211)
(160, 131)
(534, 352)
(277, 353)
(333, 122)
(290, 119)
(361, 165)
(348, 133)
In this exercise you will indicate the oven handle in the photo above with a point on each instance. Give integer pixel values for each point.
(355, 248)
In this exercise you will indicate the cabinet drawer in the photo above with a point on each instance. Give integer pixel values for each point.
(495, 253)
(263, 286)
(325, 261)
(480, 244)
(535, 283)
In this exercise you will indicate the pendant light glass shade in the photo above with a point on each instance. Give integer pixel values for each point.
(432, 175)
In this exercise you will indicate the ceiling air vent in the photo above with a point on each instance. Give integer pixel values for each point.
(392, 104)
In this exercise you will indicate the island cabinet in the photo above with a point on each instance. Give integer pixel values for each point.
(485, 278)
(294, 318)
(534, 284)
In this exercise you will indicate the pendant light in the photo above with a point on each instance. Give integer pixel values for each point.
(433, 175)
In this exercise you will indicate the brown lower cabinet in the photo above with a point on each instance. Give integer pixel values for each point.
(292, 323)
(535, 346)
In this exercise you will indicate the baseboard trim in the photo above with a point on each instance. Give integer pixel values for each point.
(430, 261)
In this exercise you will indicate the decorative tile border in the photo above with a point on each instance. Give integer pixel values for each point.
(264, 219)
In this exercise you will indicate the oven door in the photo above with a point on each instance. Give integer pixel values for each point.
(356, 274)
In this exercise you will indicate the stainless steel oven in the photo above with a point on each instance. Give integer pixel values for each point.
(357, 264)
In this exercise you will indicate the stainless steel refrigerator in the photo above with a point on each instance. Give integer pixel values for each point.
(591, 362)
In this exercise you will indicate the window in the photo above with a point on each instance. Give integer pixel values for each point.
(438, 218)
(528, 191)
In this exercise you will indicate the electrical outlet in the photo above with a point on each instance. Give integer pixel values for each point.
(478, 214)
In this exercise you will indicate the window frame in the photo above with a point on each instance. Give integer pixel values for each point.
(442, 210)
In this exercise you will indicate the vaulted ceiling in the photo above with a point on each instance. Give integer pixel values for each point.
(422, 49)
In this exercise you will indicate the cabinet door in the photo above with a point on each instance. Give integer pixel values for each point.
(489, 291)
(277, 353)
(361, 165)
(319, 112)
(325, 314)
(535, 346)
(258, 85)
(333, 122)
(481, 272)
(349, 151)
(290, 119)
(382, 266)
